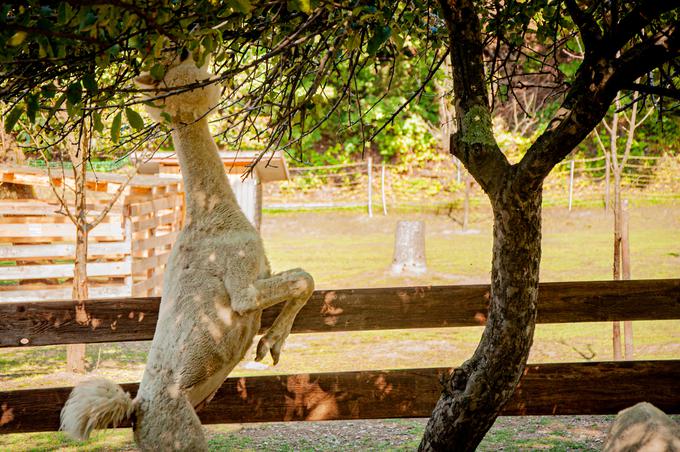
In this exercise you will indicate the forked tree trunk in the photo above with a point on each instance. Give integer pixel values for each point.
(475, 393)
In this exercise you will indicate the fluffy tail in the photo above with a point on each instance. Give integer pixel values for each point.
(95, 404)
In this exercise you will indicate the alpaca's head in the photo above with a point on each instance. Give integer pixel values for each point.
(186, 106)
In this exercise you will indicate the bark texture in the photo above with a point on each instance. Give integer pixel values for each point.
(475, 393)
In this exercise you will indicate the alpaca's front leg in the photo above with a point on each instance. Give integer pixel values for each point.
(294, 287)
(273, 339)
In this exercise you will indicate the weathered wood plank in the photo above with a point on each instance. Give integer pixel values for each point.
(360, 309)
(63, 292)
(140, 288)
(140, 245)
(53, 322)
(64, 270)
(57, 230)
(62, 250)
(545, 389)
(169, 201)
(142, 264)
(156, 221)
(31, 207)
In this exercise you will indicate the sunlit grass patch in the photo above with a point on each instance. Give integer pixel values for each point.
(107, 440)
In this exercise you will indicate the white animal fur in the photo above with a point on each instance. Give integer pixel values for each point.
(216, 284)
(95, 404)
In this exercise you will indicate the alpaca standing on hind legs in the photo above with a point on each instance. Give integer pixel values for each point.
(216, 284)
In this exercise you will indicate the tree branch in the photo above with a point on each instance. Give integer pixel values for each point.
(661, 91)
(588, 27)
(595, 87)
(473, 143)
(638, 19)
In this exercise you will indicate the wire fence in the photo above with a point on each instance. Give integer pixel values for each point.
(379, 187)
(93, 165)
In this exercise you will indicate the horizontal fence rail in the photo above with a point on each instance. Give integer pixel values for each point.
(545, 389)
(134, 319)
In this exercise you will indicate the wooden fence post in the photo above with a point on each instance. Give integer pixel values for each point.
(625, 270)
(571, 182)
(382, 189)
(370, 187)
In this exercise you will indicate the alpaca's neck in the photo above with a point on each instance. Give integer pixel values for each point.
(205, 182)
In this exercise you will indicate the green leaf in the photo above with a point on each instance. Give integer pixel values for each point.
(17, 38)
(72, 109)
(97, 121)
(90, 84)
(48, 91)
(208, 43)
(242, 6)
(299, 5)
(380, 35)
(166, 116)
(87, 20)
(32, 106)
(134, 119)
(157, 71)
(13, 117)
(74, 93)
(64, 13)
(115, 128)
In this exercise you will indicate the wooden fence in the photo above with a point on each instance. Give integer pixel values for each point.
(127, 251)
(545, 389)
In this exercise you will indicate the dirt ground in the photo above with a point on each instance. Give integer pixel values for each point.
(527, 433)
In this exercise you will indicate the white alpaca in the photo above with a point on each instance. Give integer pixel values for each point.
(216, 284)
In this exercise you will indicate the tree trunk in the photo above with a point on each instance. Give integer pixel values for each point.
(474, 393)
(75, 354)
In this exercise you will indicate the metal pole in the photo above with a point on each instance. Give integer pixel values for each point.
(370, 187)
(382, 188)
(571, 183)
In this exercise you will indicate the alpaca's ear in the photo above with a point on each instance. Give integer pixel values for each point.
(145, 81)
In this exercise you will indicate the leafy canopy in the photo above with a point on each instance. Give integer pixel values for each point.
(286, 66)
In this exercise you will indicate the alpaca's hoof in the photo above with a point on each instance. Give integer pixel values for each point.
(269, 345)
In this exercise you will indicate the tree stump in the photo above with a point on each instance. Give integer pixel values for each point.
(409, 248)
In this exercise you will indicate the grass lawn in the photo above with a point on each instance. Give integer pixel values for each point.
(348, 249)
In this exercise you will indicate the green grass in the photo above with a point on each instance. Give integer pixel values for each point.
(108, 440)
(343, 249)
